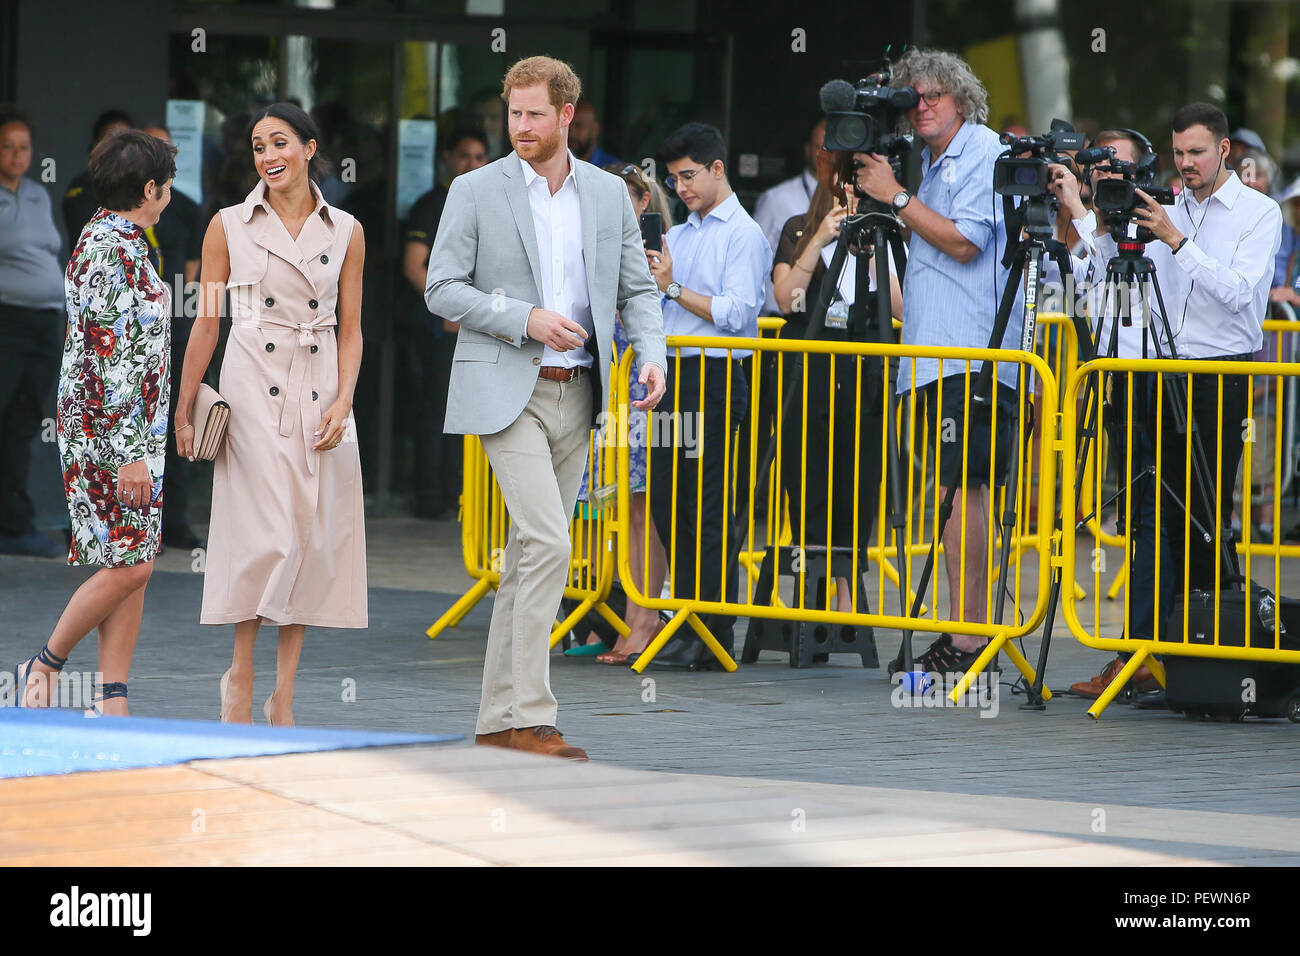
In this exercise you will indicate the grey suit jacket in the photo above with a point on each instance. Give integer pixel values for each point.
(484, 275)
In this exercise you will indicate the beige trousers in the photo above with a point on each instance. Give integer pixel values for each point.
(538, 462)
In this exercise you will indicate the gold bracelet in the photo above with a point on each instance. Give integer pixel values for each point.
(177, 429)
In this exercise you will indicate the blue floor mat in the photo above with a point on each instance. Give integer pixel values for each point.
(46, 741)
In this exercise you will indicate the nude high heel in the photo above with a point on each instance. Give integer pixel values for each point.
(266, 710)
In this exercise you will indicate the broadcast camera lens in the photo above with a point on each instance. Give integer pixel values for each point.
(851, 131)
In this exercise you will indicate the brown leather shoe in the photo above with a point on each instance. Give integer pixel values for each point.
(502, 738)
(545, 740)
(1143, 679)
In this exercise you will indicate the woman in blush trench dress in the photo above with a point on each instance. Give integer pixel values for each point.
(286, 545)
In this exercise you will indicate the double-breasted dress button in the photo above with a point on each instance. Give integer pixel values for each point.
(312, 303)
(275, 390)
(537, 361)
(314, 396)
(324, 260)
(270, 346)
(269, 302)
(314, 348)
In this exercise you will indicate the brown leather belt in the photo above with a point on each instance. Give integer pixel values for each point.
(557, 374)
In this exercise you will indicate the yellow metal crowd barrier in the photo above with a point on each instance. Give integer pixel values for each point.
(823, 499)
(828, 497)
(485, 527)
(1192, 509)
(1275, 410)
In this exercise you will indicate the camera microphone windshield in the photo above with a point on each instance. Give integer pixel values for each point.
(837, 96)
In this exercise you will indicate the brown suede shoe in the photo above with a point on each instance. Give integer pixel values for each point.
(502, 738)
(545, 740)
(1143, 679)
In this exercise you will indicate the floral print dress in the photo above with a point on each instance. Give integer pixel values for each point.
(113, 391)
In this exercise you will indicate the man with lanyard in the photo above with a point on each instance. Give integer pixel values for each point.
(1214, 254)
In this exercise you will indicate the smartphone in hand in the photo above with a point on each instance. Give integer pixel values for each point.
(652, 231)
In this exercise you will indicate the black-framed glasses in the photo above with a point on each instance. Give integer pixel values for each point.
(932, 98)
(685, 176)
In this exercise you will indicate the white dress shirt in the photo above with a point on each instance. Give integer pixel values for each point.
(557, 221)
(724, 256)
(1216, 287)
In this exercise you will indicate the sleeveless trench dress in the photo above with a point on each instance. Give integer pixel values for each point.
(287, 537)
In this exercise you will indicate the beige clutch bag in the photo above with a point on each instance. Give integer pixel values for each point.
(211, 416)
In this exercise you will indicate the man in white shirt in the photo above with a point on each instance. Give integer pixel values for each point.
(710, 273)
(1213, 253)
(790, 198)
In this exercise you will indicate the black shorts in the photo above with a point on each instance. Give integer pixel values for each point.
(977, 436)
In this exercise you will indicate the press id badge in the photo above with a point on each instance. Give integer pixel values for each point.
(837, 315)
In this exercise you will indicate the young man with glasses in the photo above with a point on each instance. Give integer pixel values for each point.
(710, 274)
(951, 292)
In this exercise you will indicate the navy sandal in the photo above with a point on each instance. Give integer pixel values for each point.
(23, 671)
(107, 691)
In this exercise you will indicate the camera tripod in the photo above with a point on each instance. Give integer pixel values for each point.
(876, 234)
(1128, 270)
(1025, 255)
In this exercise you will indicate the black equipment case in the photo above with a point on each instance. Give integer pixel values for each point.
(1219, 687)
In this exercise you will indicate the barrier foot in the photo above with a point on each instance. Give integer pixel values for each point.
(1000, 644)
(1025, 668)
(1115, 586)
(565, 626)
(661, 639)
(1123, 677)
(1079, 592)
(616, 622)
(453, 615)
(1157, 669)
(728, 663)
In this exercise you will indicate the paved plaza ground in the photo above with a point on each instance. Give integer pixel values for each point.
(1136, 781)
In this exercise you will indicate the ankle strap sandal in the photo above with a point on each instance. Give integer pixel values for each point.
(23, 671)
(107, 691)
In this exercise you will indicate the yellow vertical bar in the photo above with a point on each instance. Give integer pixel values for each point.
(699, 477)
(830, 474)
(728, 498)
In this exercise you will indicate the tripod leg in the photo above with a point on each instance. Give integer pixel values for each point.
(1088, 436)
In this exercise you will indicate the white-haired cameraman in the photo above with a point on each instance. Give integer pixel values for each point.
(951, 291)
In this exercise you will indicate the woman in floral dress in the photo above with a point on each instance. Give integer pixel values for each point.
(112, 416)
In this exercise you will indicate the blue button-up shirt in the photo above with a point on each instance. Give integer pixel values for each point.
(31, 264)
(725, 256)
(946, 302)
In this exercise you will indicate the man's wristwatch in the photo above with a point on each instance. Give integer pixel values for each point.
(674, 290)
(901, 199)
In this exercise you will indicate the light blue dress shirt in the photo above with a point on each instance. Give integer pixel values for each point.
(946, 302)
(725, 256)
